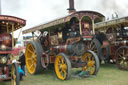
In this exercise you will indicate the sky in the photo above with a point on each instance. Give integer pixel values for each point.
(37, 12)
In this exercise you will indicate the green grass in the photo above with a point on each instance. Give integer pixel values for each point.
(108, 75)
(3, 83)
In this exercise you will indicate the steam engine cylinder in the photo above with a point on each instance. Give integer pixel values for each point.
(76, 49)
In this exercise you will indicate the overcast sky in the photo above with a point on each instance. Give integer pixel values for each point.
(36, 12)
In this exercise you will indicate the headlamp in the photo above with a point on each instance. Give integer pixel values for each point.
(3, 47)
(3, 60)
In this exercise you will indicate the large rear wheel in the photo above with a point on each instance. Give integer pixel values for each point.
(122, 58)
(92, 62)
(33, 55)
(62, 67)
(95, 46)
(15, 75)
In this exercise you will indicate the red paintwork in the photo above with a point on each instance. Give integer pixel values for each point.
(12, 19)
(88, 36)
(16, 51)
(52, 59)
(5, 52)
(6, 39)
(113, 51)
(62, 48)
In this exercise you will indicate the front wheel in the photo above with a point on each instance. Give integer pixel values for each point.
(15, 75)
(62, 66)
(92, 62)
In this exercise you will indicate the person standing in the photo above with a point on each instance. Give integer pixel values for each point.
(22, 60)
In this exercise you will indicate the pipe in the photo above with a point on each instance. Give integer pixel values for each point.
(121, 43)
(71, 8)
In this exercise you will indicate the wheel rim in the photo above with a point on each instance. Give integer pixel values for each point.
(13, 74)
(31, 58)
(91, 64)
(60, 67)
(45, 61)
(122, 58)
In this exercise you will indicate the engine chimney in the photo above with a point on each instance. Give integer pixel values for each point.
(71, 6)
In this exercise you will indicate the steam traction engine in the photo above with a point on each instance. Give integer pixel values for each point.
(70, 42)
(114, 46)
(9, 68)
(64, 42)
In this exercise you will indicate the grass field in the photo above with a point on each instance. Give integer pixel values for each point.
(108, 75)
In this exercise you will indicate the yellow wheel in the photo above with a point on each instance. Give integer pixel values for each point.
(33, 57)
(62, 66)
(92, 62)
(15, 75)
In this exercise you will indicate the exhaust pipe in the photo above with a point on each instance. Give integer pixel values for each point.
(71, 8)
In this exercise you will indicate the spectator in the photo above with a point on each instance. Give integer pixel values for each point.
(22, 60)
(21, 73)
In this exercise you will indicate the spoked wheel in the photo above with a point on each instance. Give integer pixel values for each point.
(122, 58)
(62, 67)
(33, 55)
(95, 46)
(92, 62)
(15, 75)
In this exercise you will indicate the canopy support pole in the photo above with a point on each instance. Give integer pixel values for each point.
(80, 27)
(12, 35)
(93, 28)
